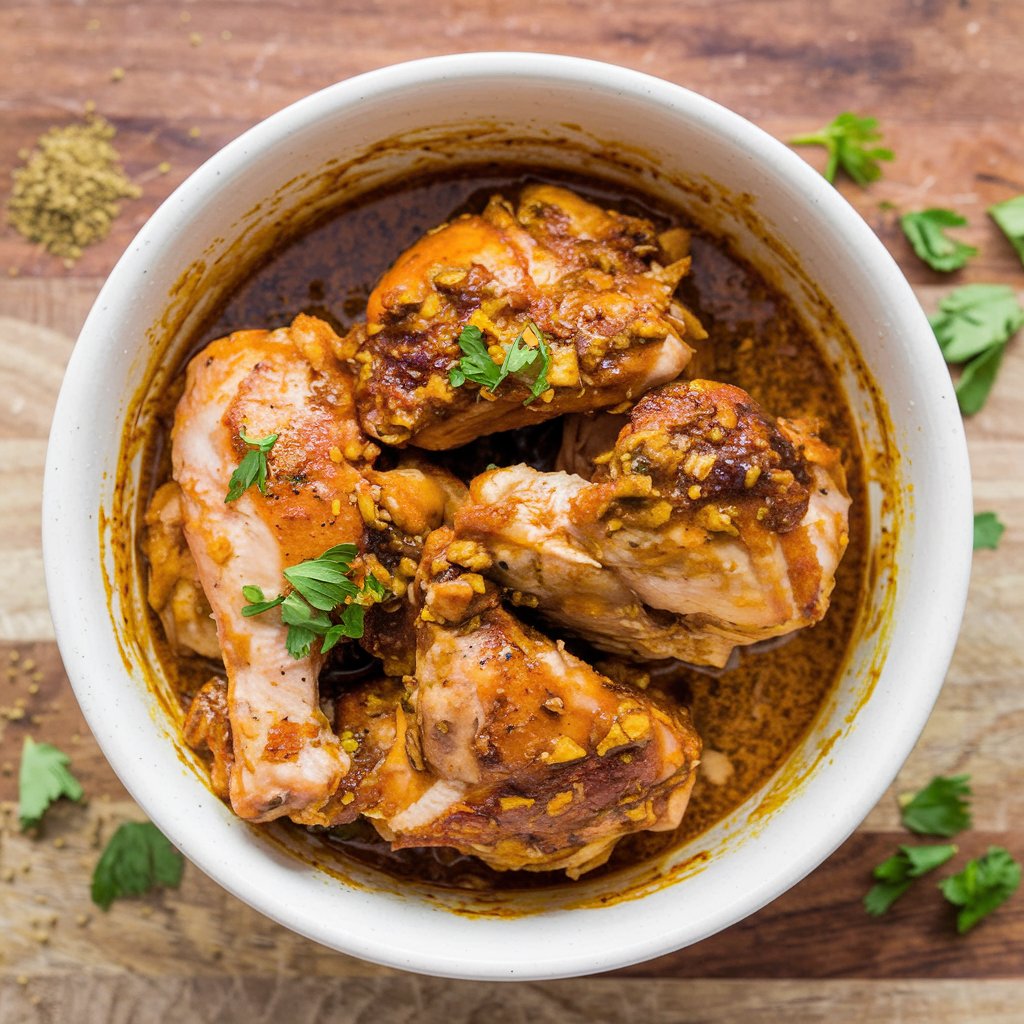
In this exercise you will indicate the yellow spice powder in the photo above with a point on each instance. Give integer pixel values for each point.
(66, 193)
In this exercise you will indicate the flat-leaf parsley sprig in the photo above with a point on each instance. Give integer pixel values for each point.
(926, 232)
(973, 325)
(942, 808)
(253, 467)
(893, 877)
(477, 365)
(1009, 218)
(848, 141)
(984, 884)
(43, 778)
(137, 859)
(320, 586)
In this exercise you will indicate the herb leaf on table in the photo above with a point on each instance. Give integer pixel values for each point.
(1009, 217)
(942, 808)
(987, 531)
(848, 140)
(894, 876)
(137, 858)
(44, 777)
(984, 884)
(926, 232)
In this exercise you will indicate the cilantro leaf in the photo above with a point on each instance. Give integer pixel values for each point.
(351, 625)
(940, 809)
(925, 231)
(972, 326)
(253, 467)
(540, 383)
(320, 585)
(476, 363)
(847, 141)
(894, 876)
(987, 530)
(1009, 217)
(257, 602)
(984, 884)
(975, 383)
(974, 319)
(324, 581)
(44, 777)
(137, 858)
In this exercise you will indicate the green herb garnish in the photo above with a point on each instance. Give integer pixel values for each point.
(320, 586)
(253, 467)
(894, 876)
(847, 140)
(137, 858)
(44, 777)
(477, 365)
(972, 326)
(987, 530)
(1009, 217)
(983, 885)
(942, 808)
(926, 231)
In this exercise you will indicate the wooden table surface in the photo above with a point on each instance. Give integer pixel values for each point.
(947, 81)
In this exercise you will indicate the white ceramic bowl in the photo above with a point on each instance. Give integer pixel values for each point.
(725, 172)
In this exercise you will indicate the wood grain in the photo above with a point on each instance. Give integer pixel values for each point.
(947, 83)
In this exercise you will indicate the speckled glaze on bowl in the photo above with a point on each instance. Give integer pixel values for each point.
(782, 216)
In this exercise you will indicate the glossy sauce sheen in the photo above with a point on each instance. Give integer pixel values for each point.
(754, 713)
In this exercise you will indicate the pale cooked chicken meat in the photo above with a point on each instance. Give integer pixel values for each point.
(321, 490)
(506, 746)
(174, 591)
(708, 525)
(287, 759)
(597, 283)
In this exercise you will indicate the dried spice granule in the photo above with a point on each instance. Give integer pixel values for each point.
(66, 194)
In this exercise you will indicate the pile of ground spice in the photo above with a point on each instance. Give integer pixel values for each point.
(66, 193)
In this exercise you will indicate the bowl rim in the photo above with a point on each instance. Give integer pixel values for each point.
(59, 515)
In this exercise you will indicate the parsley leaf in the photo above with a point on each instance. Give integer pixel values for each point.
(44, 777)
(894, 876)
(926, 232)
(540, 383)
(324, 581)
(983, 885)
(476, 363)
(940, 809)
(972, 326)
(137, 858)
(258, 603)
(1009, 217)
(846, 140)
(987, 530)
(253, 467)
(320, 585)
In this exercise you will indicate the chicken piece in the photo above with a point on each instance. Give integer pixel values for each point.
(708, 525)
(508, 747)
(597, 283)
(287, 760)
(174, 591)
(208, 728)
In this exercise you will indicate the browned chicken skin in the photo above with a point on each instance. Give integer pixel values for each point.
(689, 522)
(597, 283)
(506, 746)
(708, 525)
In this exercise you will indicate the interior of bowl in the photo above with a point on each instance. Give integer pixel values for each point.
(560, 113)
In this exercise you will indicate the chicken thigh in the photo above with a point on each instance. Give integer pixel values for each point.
(506, 746)
(597, 283)
(708, 525)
